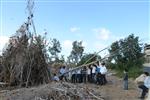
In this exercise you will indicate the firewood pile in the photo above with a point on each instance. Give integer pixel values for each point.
(53, 91)
(24, 60)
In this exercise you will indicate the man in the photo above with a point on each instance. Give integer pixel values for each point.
(79, 76)
(103, 72)
(84, 74)
(93, 73)
(89, 74)
(73, 77)
(145, 87)
(62, 72)
(98, 74)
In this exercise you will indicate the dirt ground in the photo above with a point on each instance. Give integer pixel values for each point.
(113, 90)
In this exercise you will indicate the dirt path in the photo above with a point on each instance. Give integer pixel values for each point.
(114, 90)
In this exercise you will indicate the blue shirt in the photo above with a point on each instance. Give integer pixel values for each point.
(98, 69)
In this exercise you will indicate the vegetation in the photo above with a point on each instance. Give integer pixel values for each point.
(54, 49)
(127, 53)
(76, 53)
(24, 60)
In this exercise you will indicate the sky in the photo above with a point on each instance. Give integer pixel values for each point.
(97, 23)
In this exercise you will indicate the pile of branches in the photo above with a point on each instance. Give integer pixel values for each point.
(53, 91)
(24, 60)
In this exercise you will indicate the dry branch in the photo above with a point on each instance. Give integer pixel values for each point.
(24, 61)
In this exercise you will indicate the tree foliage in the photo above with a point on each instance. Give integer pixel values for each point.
(55, 48)
(76, 53)
(127, 53)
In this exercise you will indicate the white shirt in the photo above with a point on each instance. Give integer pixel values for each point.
(103, 70)
(56, 78)
(79, 71)
(73, 72)
(88, 71)
(93, 69)
(147, 82)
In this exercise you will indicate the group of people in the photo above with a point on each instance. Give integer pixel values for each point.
(95, 73)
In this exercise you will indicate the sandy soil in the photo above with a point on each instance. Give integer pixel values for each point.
(113, 90)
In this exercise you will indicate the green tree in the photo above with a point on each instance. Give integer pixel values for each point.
(127, 53)
(76, 53)
(54, 48)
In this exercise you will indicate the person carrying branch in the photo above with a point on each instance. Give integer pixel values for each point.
(103, 71)
(83, 72)
(93, 73)
(145, 87)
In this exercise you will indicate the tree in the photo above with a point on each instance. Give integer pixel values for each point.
(55, 48)
(24, 60)
(127, 53)
(114, 49)
(77, 52)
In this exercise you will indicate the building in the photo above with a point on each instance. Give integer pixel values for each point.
(147, 55)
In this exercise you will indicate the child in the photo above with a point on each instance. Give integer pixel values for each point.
(125, 79)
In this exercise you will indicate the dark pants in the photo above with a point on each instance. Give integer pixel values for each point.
(84, 78)
(79, 78)
(63, 77)
(104, 81)
(99, 79)
(93, 77)
(73, 78)
(125, 84)
(89, 78)
(144, 90)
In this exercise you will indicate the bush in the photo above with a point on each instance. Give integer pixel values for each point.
(133, 72)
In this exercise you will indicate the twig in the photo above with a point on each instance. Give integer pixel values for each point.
(95, 96)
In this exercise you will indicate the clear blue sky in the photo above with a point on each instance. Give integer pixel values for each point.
(97, 23)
